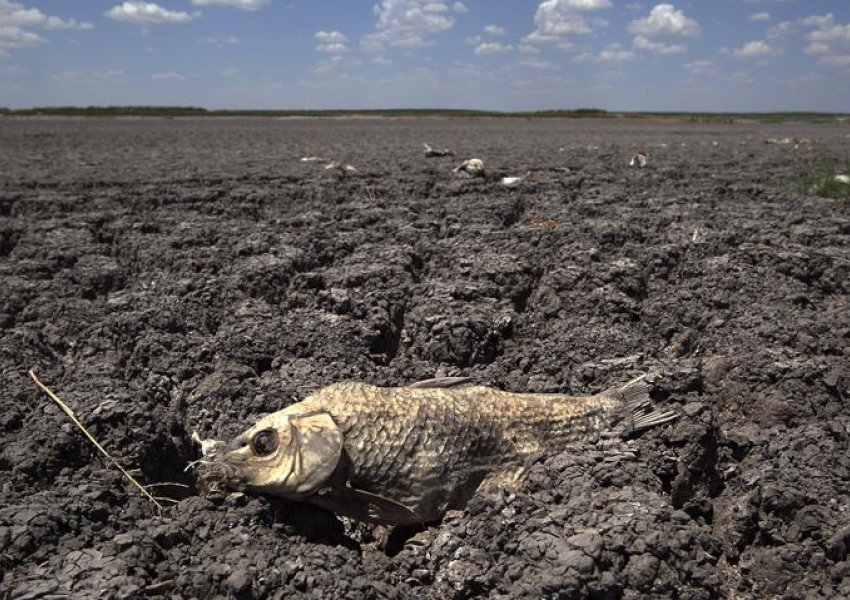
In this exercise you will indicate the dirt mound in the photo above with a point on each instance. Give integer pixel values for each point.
(167, 277)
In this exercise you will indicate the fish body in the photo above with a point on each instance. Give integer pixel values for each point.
(407, 455)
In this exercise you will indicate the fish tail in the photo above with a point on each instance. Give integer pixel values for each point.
(640, 413)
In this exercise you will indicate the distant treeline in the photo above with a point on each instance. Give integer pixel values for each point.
(196, 111)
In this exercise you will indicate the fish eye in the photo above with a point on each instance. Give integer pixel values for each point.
(264, 442)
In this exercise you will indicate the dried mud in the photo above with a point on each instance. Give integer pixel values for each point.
(166, 277)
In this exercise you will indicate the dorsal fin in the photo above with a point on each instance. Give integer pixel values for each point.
(441, 382)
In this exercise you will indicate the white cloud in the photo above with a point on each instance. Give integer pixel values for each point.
(757, 49)
(147, 13)
(828, 39)
(492, 48)
(170, 75)
(229, 40)
(665, 19)
(536, 64)
(494, 30)
(835, 60)
(613, 53)
(701, 67)
(15, 37)
(16, 20)
(818, 20)
(407, 23)
(330, 37)
(243, 4)
(331, 42)
(527, 49)
(336, 65)
(780, 31)
(557, 19)
(15, 14)
(648, 45)
(460, 8)
(760, 16)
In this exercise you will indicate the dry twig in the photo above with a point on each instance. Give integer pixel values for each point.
(67, 410)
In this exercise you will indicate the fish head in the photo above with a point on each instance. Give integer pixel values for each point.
(284, 454)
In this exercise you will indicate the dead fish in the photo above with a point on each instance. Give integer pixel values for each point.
(638, 160)
(473, 167)
(406, 455)
(429, 151)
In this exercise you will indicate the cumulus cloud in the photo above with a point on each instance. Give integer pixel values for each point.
(407, 23)
(828, 39)
(331, 42)
(760, 16)
(557, 19)
(460, 8)
(16, 22)
(243, 4)
(492, 48)
(13, 38)
(665, 19)
(494, 30)
(701, 67)
(15, 14)
(611, 54)
(147, 13)
(757, 49)
(648, 45)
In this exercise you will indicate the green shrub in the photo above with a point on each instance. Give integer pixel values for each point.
(823, 178)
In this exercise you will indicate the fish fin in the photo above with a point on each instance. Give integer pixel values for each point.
(318, 444)
(384, 510)
(641, 413)
(441, 382)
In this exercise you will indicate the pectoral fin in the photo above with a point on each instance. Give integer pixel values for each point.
(385, 510)
(365, 506)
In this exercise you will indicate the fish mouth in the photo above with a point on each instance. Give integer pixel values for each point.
(216, 477)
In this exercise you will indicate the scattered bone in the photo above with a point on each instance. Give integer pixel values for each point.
(473, 167)
(339, 169)
(638, 160)
(511, 181)
(334, 167)
(429, 151)
(542, 224)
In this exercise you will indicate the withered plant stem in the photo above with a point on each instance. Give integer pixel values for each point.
(67, 410)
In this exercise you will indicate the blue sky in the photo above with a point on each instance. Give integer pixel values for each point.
(718, 55)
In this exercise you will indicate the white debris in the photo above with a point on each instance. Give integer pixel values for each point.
(339, 168)
(473, 167)
(429, 151)
(511, 181)
(207, 446)
(638, 160)
(786, 141)
(312, 159)
(843, 179)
